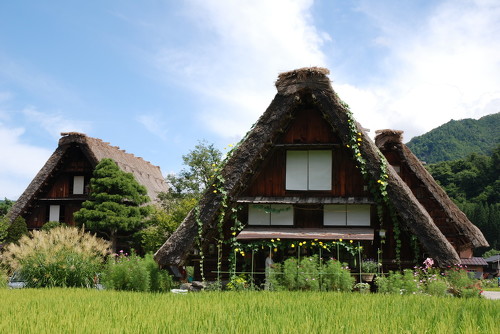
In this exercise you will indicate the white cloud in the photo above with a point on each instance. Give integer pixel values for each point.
(55, 123)
(20, 162)
(249, 44)
(154, 124)
(446, 69)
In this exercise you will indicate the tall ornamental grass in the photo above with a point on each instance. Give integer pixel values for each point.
(93, 311)
(60, 257)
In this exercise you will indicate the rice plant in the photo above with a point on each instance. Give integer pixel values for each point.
(90, 311)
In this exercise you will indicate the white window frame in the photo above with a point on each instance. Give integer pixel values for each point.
(347, 215)
(258, 216)
(78, 184)
(54, 213)
(308, 170)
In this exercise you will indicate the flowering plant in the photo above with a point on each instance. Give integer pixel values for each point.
(369, 266)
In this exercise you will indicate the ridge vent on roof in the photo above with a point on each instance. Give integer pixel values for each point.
(388, 136)
(64, 134)
(312, 77)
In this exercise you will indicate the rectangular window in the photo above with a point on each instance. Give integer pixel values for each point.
(346, 215)
(54, 211)
(272, 214)
(309, 170)
(78, 185)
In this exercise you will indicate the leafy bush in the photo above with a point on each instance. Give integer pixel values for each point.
(134, 273)
(159, 280)
(50, 225)
(337, 276)
(16, 230)
(63, 256)
(437, 288)
(460, 281)
(309, 274)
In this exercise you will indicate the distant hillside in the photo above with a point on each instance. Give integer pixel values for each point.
(457, 139)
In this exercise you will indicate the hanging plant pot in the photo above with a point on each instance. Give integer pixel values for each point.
(367, 277)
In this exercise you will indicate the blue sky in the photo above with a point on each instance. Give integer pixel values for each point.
(155, 77)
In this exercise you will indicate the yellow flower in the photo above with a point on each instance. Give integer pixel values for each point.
(293, 245)
(347, 145)
(315, 239)
(236, 249)
(234, 233)
(312, 243)
(340, 240)
(350, 241)
(359, 154)
(300, 243)
(278, 239)
(324, 246)
(215, 191)
(275, 250)
(272, 240)
(213, 165)
(359, 139)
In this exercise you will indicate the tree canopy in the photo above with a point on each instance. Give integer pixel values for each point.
(116, 202)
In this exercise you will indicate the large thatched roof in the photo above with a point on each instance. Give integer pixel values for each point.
(392, 140)
(95, 149)
(298, 89)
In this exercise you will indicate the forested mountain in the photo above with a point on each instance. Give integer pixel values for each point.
(457, 139)
(474, 184)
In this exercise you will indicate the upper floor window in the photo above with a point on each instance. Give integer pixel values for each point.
(309, 170)
(78, 185)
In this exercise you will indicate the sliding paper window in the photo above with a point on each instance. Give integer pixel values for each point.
(346, 215)
(271, 214)
(309, 170)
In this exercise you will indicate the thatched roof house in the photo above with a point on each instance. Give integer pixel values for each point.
(453, 223)
(307, 118)
(60, 187)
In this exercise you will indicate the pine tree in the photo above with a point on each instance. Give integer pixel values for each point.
(16, 230)
(115, 204)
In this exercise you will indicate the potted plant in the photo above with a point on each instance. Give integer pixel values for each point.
(369, 268)
(362, 287)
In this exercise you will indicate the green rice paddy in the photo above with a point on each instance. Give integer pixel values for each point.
(92, 311)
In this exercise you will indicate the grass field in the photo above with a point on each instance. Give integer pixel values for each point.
(92, 311)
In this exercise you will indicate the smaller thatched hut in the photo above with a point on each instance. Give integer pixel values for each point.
(61, 186)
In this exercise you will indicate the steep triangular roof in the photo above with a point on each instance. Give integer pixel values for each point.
(392, 140)
(95, 150)
(303, 87)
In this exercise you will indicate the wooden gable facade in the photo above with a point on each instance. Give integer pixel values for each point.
(62, 185)
(294, 178)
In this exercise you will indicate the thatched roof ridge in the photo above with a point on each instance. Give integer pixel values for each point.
(394, 139)
(144, 172)
(310, 87)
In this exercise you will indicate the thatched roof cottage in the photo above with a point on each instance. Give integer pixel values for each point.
(61, 186)
(308, 171)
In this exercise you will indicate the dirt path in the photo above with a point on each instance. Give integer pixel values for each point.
(491, 294)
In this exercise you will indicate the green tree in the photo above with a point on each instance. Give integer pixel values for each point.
(16, 230)
(184, 192)
(202, 162)
(116, 202)
(5, 206)
(4, 225)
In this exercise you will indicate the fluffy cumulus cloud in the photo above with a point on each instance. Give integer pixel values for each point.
(244, 46)
(20, 161)
(445, 68)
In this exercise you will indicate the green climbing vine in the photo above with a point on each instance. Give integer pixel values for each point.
(377, 188)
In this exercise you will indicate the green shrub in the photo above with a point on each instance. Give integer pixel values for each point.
(459, 279)
(437, 287)
(125, 272)
(63, 256)
(337, 276)
(16, 230)
(50, 225)
(159, 280)
(308, 274)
